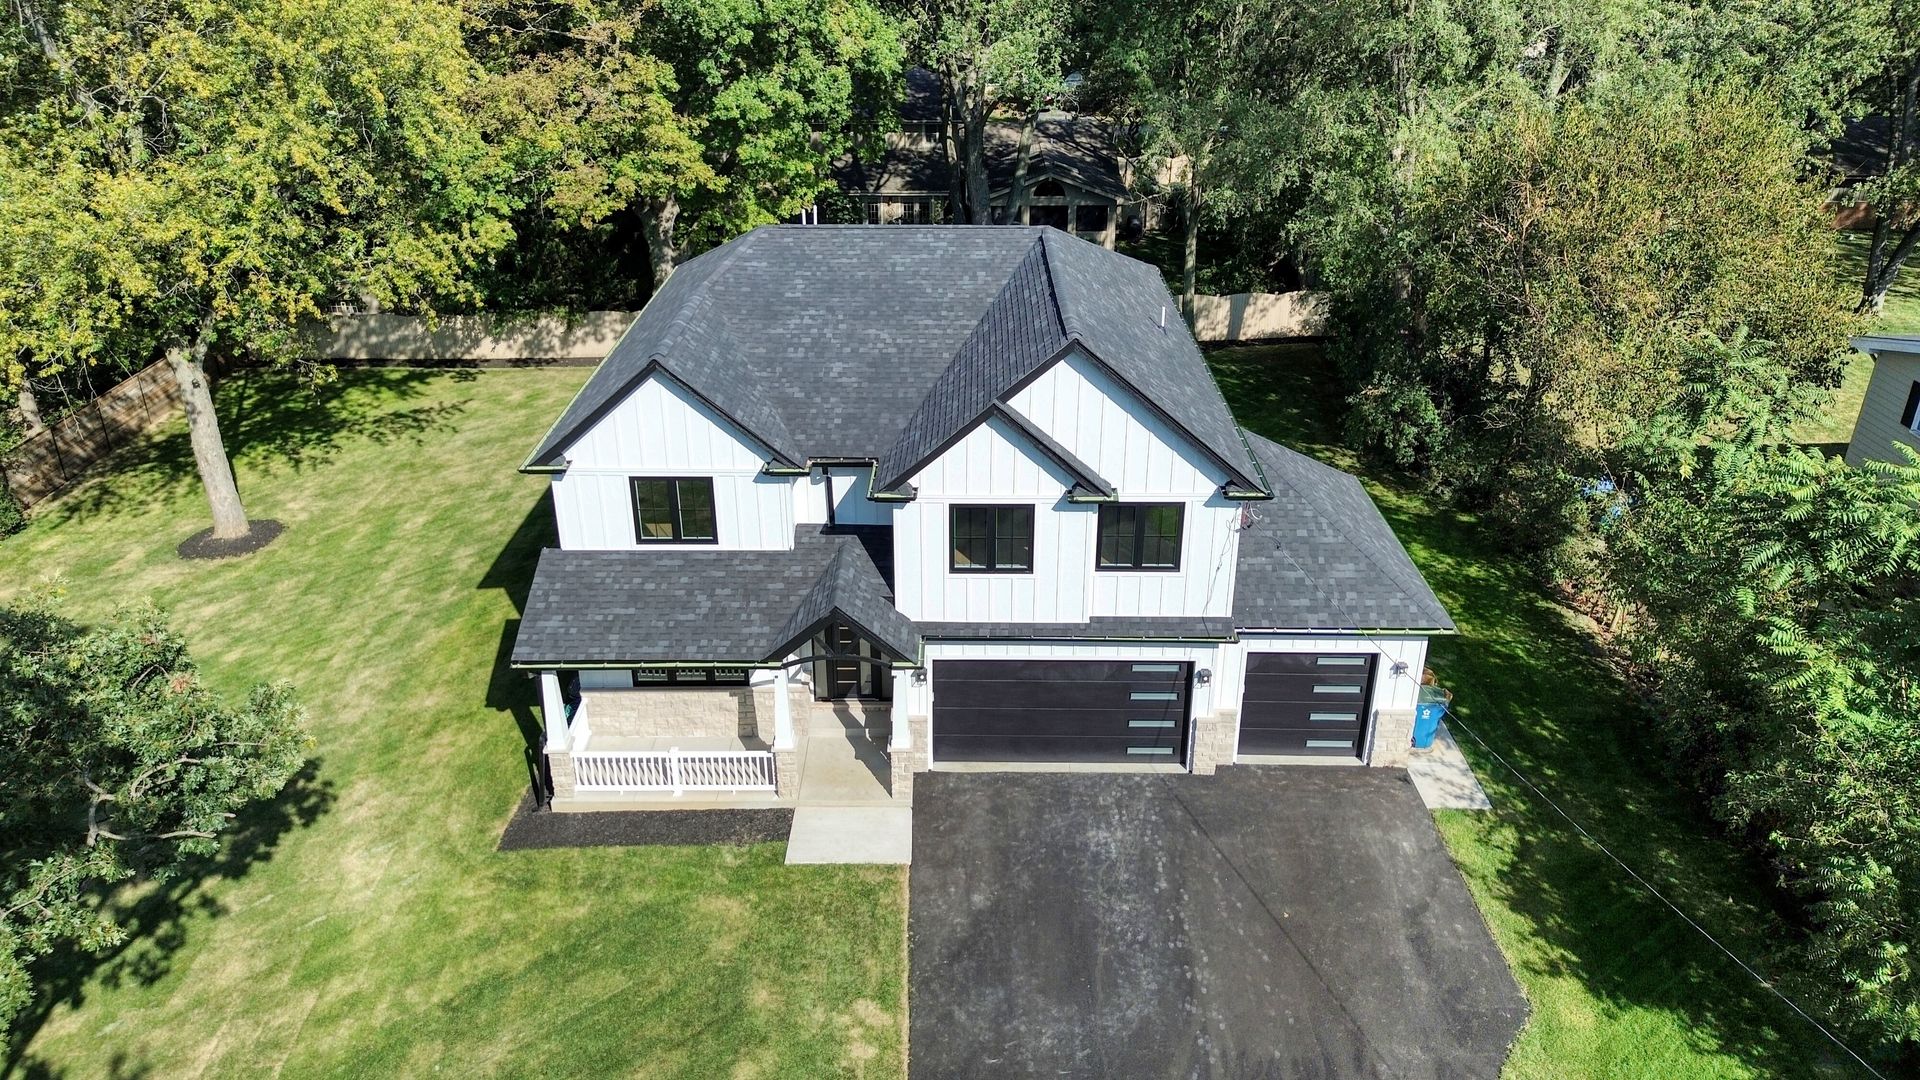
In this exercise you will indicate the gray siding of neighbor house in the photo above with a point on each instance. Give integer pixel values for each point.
(1879, 426)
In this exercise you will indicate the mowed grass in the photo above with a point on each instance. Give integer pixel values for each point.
(364, 924)
(1900, 315)
(1619, 985)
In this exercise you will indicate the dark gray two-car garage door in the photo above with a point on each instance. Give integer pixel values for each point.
(1305, 704)
(1060, 710)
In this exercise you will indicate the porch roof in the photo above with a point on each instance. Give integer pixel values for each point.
(609, 608)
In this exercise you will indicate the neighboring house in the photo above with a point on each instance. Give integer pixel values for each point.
(1859, 155)
(971, 490)
(1890, 411)
(1076, 180)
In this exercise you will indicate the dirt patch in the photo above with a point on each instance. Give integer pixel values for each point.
(204, 545)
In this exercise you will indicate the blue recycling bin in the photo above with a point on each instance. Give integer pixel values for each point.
(1427, 713)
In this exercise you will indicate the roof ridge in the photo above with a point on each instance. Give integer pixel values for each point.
(1068, 325)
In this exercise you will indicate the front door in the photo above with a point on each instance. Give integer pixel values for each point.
(846, 675)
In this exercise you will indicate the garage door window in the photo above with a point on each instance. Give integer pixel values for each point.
(1140, 536)
(993, 539)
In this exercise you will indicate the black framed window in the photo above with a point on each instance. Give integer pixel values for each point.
(1140, 536)
(691, 676)
(675, 510)
(992, 539)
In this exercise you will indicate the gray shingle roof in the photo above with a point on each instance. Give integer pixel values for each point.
(1320, 557)
(869, 342)
(621, 607)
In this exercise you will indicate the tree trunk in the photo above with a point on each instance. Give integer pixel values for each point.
(203, 429)
(954, 133)
(30, 409)
(974, 110)
(1883, 266)
(1190, 249)
(657, 223)
(1022, 158)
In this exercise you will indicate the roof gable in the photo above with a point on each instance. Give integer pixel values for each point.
(887, 342)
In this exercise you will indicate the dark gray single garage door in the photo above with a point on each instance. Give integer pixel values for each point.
(1060, 710)
(1305, 704)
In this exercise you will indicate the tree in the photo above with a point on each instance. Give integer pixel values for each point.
(115, 762)
(1895, 193)
(691, 120)
(989, 54)
(193, 178)
(1561, 265)
(1776, 614)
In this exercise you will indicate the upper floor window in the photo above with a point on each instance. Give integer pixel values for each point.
(993, 539)
(1140, 536)
(676, 510)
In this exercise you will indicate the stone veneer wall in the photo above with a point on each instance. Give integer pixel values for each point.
(732, 712)
(561, 767)
(914, 759)
(1213, 738)
(1392, 738)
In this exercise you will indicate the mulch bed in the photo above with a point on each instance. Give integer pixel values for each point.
(533, 828)
(203, 544)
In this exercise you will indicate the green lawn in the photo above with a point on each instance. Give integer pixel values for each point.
(1901, 315)
(1620, 987)
(364, 924)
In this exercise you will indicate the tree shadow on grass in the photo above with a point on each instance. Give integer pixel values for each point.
(156, 917)
(508, 690)
(1530, 680)
(269, 419)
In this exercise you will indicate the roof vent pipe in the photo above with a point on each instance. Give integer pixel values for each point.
(1163, 316)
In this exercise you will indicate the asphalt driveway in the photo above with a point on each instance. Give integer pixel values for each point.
(1264, 922)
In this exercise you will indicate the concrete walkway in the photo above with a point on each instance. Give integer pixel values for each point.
(1443, 777)
(845, 813)
(851, 834)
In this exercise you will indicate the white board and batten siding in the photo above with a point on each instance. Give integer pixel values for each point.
(993, 465)
(1878, 427)
(1105, 425)
(1146, 459)
(660, 430)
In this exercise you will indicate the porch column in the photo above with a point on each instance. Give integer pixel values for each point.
(1113, 223)
(782, 711)
(1073, 211)
(553, 709)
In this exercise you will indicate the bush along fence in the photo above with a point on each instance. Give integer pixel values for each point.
(51, 459)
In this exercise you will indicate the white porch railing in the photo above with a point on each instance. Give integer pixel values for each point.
(673, 770)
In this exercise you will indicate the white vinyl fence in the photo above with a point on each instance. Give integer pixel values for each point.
(673, 770)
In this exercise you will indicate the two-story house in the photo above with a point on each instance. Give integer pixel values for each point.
(974, 486)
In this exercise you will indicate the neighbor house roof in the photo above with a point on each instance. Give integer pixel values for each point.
(885, 343)
(1077, 150)
(1321, 557)
(718, 606)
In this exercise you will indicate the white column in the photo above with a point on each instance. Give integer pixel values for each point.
(553, 708)
(782, 711)
(902, 709)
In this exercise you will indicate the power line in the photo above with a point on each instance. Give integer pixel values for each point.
(1604, 850)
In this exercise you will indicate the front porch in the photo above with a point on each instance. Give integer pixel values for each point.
(767, 743)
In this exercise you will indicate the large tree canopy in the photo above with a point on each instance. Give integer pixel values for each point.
(688, 121)
(196, 176)
(115, 760)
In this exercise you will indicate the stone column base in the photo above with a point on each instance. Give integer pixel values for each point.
(1392, 738)
(786, 773)
(904, 763)
(561, 766)
(1213, 741)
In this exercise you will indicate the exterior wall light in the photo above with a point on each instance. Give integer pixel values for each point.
(919, 676)
(1202, 677)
